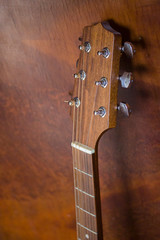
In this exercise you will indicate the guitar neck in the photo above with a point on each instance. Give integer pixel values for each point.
(87, 197)
(94, 110)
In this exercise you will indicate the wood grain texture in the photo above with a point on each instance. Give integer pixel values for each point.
(87, 196)
(88, 127)
(38, 51)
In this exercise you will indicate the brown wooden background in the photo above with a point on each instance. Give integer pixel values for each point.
(38, 52)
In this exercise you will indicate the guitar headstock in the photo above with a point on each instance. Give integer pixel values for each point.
(94, 102)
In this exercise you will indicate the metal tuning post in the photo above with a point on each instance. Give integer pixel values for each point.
(74, 102)
(128, 49)
(81, 75)
(86, 47)
(126, 79)
(104, 52)
(103, 82)
(101, 112)
(124, 108)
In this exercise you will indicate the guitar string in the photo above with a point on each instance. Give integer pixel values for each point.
(80, 155)
(84, 159)
(74, 159)
(87, 142)
(74, 151)
(77, 151)
(75, 196)
(73, 128)
(89, 162)
(83, 82)
(91, 120)
(82, 162)
(80, 133)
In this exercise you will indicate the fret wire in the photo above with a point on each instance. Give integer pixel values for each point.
(86, 211)
(86, 228)
(84, 192)
(83, 172)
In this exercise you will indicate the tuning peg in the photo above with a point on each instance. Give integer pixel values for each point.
(128, 49)
(86, 47)
(126, 79)
(81, 75)
(101, 112)
(124, 108)
(104, 52)
(73, 102)
(103, 82)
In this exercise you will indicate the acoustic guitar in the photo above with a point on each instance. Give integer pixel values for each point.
(94, 109)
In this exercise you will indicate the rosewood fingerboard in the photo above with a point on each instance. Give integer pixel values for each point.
(87, 200)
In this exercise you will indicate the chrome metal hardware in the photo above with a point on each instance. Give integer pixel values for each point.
(124, 108)
(86, 47)
(101, 112)
(104, 52)
(128, 49)
(81, 75)
(74, 102)
(126, 79)
(103, 82)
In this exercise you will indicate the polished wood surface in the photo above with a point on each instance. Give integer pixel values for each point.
(88, 127)
(39, 49)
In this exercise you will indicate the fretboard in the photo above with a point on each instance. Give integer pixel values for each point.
(87, 199)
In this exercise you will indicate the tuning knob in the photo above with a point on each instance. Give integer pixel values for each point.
(74, 102)
(81, 75)
(124, 108)
(104, 52)
(126, 79)
(86, 47)
(101, 112)
(128, 49)
(103, 82)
